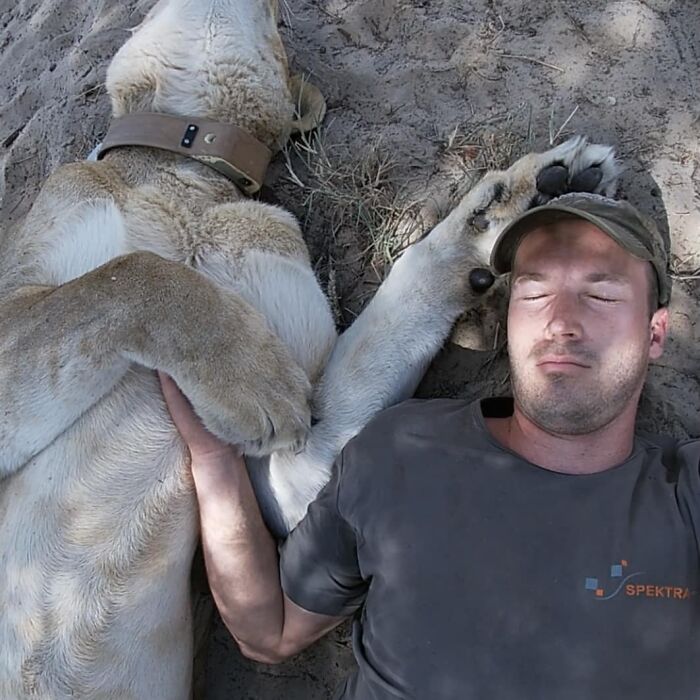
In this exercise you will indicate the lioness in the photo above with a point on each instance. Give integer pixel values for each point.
(149, 259)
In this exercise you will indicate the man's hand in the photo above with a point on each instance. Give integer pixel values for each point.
(203, 446)
(240, 554)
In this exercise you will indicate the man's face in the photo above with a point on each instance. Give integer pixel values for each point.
(579, 330)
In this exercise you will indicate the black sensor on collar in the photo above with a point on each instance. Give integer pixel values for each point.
(188, 138)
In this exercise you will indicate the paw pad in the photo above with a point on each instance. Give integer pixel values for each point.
(479, 221)
(480, 279)
(554, 181)
(587, 180)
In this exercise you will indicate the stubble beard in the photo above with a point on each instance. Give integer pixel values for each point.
(562, 404)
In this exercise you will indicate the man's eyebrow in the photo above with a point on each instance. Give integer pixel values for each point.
(529, 277)
(592, 277)
(607, 277)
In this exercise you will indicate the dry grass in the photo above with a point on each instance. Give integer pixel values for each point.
(352, 191)
(491, 144)
(364, 211)
(472, 148)
(476, 150)
(685, 268)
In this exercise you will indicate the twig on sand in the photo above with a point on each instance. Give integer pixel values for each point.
(287, 14)
(552, 136)
(493, 79)
(685, 269)
(25, 159)
(682, 276)
(531, 59)
(92, 91)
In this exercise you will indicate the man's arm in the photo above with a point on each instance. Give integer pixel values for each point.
(240, 553)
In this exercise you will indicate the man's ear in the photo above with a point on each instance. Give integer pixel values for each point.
(658, 331)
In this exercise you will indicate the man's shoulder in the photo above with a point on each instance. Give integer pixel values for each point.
(398, 445)
(674, 453)
(421, 406)
(416, 414)
(412, 423)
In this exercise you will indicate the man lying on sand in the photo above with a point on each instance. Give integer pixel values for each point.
(532, 547)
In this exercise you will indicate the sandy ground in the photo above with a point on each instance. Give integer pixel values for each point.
(422, 96)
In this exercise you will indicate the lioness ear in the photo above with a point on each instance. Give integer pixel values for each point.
(310, 104)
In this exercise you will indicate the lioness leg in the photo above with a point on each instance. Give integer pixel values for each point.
(381, 358)
(63, 348)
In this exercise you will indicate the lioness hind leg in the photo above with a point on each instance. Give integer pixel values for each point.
(536, 178)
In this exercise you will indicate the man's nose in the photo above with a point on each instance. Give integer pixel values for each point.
(564, 322)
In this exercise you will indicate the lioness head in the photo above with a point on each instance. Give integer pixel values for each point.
(216, 59)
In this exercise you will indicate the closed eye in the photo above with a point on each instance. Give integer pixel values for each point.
(606, 300)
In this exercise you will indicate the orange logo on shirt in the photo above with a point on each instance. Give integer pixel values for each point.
(633, 590)
(652, 591)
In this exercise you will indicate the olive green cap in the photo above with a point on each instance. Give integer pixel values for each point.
(629, 228)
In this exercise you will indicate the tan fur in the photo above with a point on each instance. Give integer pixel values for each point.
(148, 260)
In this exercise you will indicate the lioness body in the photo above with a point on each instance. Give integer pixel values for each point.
(97, 509)
(149, 260)
(100, 578)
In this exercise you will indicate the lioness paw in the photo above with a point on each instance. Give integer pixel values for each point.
(284, 416)
(256, 397)
(580, 167)
(272, 415)
(533, 180)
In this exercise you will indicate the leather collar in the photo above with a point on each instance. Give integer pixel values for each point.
(225, 147)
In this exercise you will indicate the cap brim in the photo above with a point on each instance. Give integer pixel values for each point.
(507, 243)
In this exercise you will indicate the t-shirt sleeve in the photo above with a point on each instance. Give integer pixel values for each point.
(687, 460)
(319, 566)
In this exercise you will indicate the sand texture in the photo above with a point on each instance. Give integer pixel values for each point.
(423, 96)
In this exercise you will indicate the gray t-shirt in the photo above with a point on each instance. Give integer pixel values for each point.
(475, 574)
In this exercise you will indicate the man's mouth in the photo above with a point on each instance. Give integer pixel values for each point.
(561, 362)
